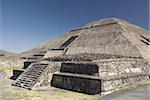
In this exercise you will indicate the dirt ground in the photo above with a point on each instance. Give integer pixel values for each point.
(8, 92)
(140, 93)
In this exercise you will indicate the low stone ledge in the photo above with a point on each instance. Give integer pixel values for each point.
(113, 85)
(130, 75)
(77, 83)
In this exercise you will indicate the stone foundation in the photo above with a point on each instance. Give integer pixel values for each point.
(122, 67)
(113, 84)
(78, 83)
(101, 76)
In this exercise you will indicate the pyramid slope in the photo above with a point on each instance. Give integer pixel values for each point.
(108, 36)
(138, 37)
(106, 39)
(105, 36)
(51, 44)
(113, 36)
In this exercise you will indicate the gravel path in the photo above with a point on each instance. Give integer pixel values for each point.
(141, 93)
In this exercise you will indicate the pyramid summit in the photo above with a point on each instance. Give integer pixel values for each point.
(99, 57)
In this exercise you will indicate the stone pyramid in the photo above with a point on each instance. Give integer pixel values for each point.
(99, 57)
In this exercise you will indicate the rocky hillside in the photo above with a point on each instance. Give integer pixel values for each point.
(2, 52)
(8, 59)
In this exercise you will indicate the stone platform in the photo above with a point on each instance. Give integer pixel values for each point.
(76, 82)
(100, 76)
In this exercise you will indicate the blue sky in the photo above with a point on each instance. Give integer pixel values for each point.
(27, 23)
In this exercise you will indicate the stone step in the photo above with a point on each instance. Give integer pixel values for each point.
(38, 55)
(54, 52)
(30, 76)
(16, 73)
(80, 68)
(30, 58)
(27, 79)
(57, 49)
(77, 82)
(68, 42)
(38, 68)
(19, 85)
(33, 72)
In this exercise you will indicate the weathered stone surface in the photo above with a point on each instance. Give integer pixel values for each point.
(112, 85)
(77, 83)
(113, 73)
(47, 77)
(80, 68)
(123, 66)
(115, 53)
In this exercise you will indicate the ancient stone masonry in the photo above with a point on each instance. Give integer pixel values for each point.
(98, 58)
(75, 76)
(111, 73)
(31, 76)
(28, 61)
(116, 73)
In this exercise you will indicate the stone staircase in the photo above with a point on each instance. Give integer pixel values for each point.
(100, 76)
(31, 75)
(145, 40)
(74, 76)
(68, 42)
(28, 61)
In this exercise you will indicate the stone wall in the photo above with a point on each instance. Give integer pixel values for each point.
(80, 68)
(77, 83)
(53, 53)
(109, 86)
(122, 66)
(47, 77)
(96, 77)
(116, 73)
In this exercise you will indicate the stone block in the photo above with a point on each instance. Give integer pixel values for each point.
(26, 64)
(16, 74)
(80, 68)
(78, 83)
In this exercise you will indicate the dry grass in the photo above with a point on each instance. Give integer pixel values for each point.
(9, 67)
